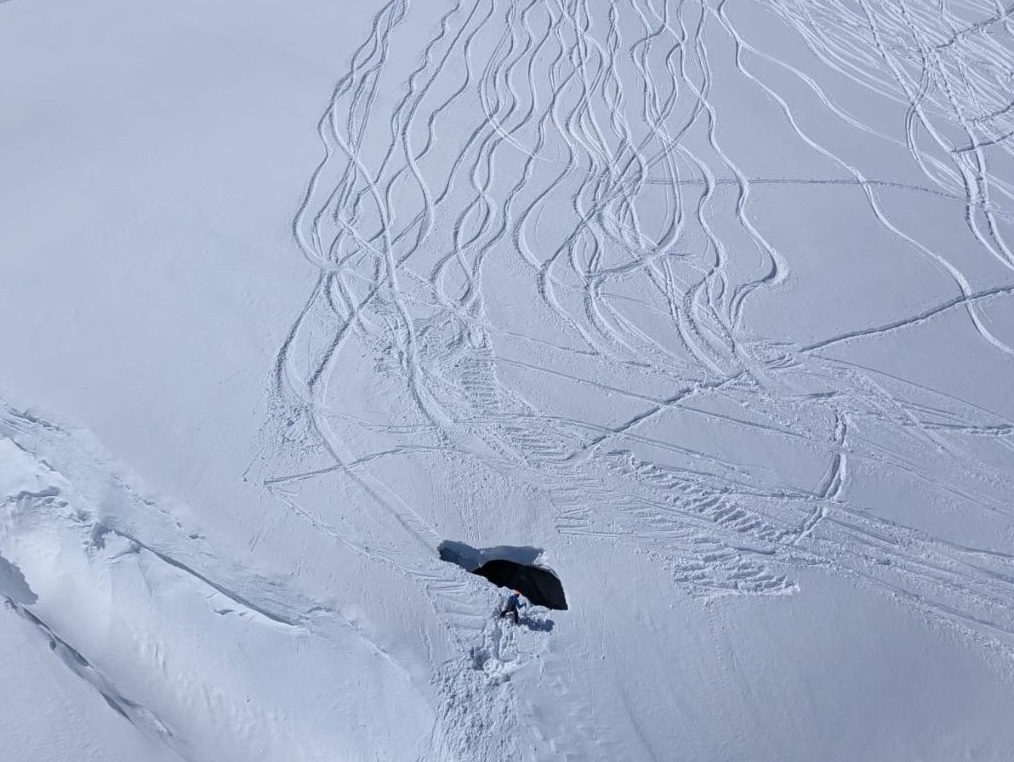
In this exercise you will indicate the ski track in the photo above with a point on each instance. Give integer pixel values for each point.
(579, 147)
(511, 107)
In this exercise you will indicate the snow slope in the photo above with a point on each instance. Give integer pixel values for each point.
(708, 305)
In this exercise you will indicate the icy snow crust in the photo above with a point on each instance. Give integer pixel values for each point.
(713, 302)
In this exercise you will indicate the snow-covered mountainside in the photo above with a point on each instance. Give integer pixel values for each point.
(310, 308)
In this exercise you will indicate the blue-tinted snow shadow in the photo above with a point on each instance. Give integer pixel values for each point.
(537, 625)
(13, 584)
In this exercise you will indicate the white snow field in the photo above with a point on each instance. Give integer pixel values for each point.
(706, 306)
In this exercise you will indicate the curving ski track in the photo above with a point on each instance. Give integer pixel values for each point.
(576, 150)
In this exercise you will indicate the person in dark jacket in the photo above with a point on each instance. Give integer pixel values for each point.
(513, 606)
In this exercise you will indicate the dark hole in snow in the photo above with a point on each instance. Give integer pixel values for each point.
(511, 567)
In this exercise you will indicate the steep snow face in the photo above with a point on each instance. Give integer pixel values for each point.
(182, 645)
(710, 302)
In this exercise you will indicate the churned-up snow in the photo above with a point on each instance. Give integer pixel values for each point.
(708, 307)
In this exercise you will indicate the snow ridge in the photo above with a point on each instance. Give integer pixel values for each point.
(166, 630)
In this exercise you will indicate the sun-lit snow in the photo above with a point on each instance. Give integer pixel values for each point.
(706, 307)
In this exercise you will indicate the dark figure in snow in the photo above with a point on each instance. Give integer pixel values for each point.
(513, 606)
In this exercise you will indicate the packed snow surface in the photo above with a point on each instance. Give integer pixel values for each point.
(709, 306)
